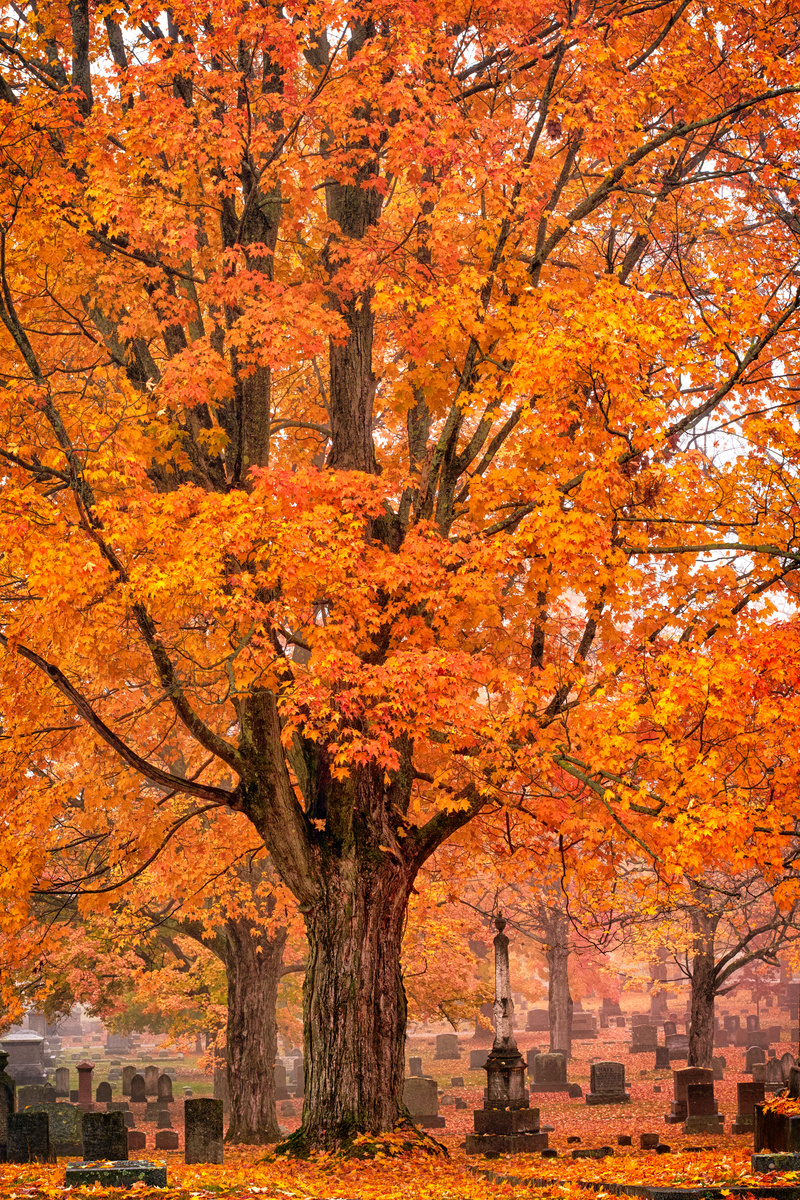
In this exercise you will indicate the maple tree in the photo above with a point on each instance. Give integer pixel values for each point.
(357, 362)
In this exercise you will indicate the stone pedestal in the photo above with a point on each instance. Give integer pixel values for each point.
(25, 1052)
(681, 1080)
(84, 1070)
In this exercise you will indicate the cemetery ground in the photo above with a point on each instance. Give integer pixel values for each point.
(255, 1173)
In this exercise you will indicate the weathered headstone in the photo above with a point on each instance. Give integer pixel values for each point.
(477, 1060)
(662, 1059)
(66, 1127)
(164, 1089)
(773, 1080)
(644, 1039)
(166, 1139)
(649, 1141)
(28, 1137)
(105, 1136)
(421, 1098)
(138, 1091)
(163, 1119)
(457, 1081)
(677, 1045)
(62, 1081)
(35, 1093)
(754, 1055)
(103, 1093)
(538, 1020)
(137, 1140)
(84, 1070)
(670, 1027)
(25, 1050)
(415, 1063)
(607, 1084)
(702, 1110)
(787, 1062)
(732, 1023)
(681, 1081)
(299, 1078)
(753, 1022)
(151, 1110)
(116, 1174)
(748, 1095)
(281, 1089)
(447, 1046)
(584, 1026)
(128, 1073)
(759, 1073)
(203, 1130)
(151, 1080)
(550, 1073)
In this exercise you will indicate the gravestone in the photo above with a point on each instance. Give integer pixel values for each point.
(644, 1039)
(103, 1093)
(550, 1073)
(753, 1023)
(299, 1078)
(787, 1062)
(31, 1093)
(584, 1026)
(116, 1174)
(680, 1082)
(167, 1139)
(702, 1110)
(677, 1045)
(477, 1059)
(105, 1136)
(759, 1072)
(603, 1017)
(137, 1140)
(457, 1081)
(7, 1102)
(151, 1080)
(773, 1081)
(748, 1095)
(607, 1084)
(421, 1098)
(415, 1064)
(62, 1081)
(718, 1066)
(610, 1007)
(281, 1090)
(447, 1046)
(28, 1137)
(127, 1075)
(539, 1020)
(164, 1089)
(732, 1023)
(117, 1043)
(138, 1092)
(65, 1125)
(151, 1110)
(84, 1070)
(754, 1055)
(25, 1050)
(163, 1119)
(649, 1141)
(662, 1059)
(620, 1022)
(670, 1027)
(203, 1131)
(222, 1089)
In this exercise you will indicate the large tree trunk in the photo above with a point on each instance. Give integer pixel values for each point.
(355, 1004)
(558, 993)
(701, 1032)
(253, 963)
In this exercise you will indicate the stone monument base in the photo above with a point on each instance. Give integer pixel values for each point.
(429, 1122)
(506, 1143)
(116, 1174)
(537, 1088)
(606, 1098)
(709, 1124)
(747, 1125)
(762, 1164)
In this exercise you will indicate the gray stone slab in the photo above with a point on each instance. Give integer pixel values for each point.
(116, 1174)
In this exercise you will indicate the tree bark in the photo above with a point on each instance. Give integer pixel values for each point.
(558, 993)
(354, 1003)
(253, 963)
(701, 1032)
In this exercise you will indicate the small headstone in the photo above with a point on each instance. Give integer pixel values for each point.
(203, 1130)
(644, 1039)
(662, 1149)
(163, 1119)
(457, 1081)
(73, 1095)
(166, 1139)
(447, 1046)
(415, 1064)
(460, 1103)
(548, 1152)
(137, 1140)
(718, 1065)
(670, 1027)
(748, 1095)
(754, 1055)
(62, 1081)
(753, 1023)
(477, 1060)
(624, 1139)
(421, 1098)
(138, 1092)
(127, 1075)
(759, 1072)
(649, 1141)
(607, 1084)
(103, 1093)
(28, 1137)
(164, 1089)
(151, 1080)
(662, 1059)
(732, 1023)
(550, 1073)
(104, 1137)
(151, 1110)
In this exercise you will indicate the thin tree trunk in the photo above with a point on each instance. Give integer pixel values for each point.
(253, 963)
(558, 993)
(701, 1031)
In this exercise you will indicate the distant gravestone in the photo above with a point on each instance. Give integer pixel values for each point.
(607, 1084)
(732, 1023)
(477, 1059)
(28, 1137)
(677, 1045)
(538, 1020)
(163, 1120)
(447, 1046)
(151, 1080)
(127, 1075)
(65, 1122)
(203, 1130)
(415, 1064)
(748, 1095)
(718, 1065)
(457, 1081)
(773, 1076)
(151, 1110)
(662, 1059)
(759, 1072)
(105, 1136)
(754, 1055)
(584, 1026)
(753, 1023)
(166, 1139)
(670, 1027)
(550, 1073)
(787, 1062)
(299, 1078)
(103, 1093)
(421, 1098)
(164, 1089)
(62, 1081)
(84, 1070)
(34, 1093)
(138, 1092)
(644, 1039)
